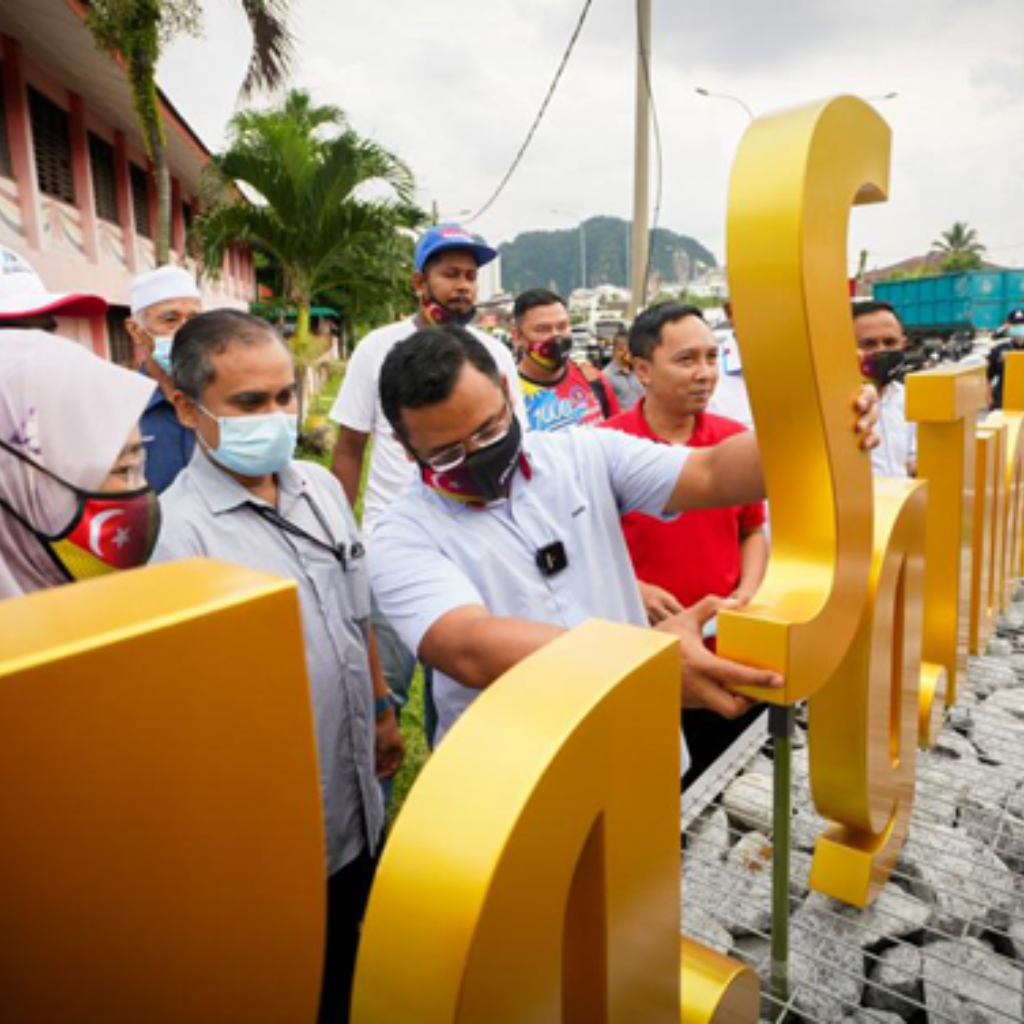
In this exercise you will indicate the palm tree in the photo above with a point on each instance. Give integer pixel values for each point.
(960, 248)
(323, 204)
(136, 32)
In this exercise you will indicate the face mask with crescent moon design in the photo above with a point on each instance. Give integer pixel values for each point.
(107, 532)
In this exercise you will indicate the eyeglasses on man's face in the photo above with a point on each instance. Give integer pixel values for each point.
(452, 456)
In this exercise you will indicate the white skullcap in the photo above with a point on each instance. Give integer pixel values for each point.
(160, 285)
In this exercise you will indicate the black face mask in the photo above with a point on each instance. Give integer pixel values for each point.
(483, 476)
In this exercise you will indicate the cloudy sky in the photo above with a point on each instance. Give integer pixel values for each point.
(453, 86)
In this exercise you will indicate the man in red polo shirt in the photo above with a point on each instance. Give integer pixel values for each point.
(721, 551)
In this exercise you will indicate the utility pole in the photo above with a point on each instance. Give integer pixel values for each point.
(641, 162)
(583, 257)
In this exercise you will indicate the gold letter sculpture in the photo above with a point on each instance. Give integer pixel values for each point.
(795, 177)
(864, 724)
(533, 874)
(162, 856)
(945, 403)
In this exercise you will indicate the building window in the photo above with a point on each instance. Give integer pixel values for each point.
(104, 178)
(6, 167)
(188, 216)
(140, 200)
(122, 348)
(51, 140)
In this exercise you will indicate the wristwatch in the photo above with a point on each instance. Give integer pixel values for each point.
(382, 705)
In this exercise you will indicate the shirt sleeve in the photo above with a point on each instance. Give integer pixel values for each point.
(751, 517)
(414, 583)
(356, 403)
(643, 474)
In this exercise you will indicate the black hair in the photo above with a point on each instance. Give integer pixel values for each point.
(533, 299)
(423, 370)
(870, 306)
(645, 334)
(210, 334)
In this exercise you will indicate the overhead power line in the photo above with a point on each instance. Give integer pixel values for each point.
(537, 120)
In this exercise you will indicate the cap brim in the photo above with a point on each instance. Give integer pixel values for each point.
(59, 305)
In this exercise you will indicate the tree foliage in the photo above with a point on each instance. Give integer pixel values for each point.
(136, 32)
(960, 247)
(322, 204)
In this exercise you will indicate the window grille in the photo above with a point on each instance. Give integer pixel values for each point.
(104, 178)
(51, 140)
(140, 200)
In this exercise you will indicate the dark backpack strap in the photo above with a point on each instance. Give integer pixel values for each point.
(601, 394)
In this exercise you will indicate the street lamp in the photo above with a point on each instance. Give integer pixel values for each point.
(725, 96)
(583, 243)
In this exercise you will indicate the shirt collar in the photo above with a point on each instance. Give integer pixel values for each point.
(223, 493)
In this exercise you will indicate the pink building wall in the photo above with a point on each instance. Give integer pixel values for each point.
(71, 247)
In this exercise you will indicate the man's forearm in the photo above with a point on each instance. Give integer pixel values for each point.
(475, 649)
(347, 464)
(727, 474)
(753, 561)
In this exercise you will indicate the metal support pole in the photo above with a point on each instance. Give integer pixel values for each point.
(781, 722)
(641, 172)
(583, 256)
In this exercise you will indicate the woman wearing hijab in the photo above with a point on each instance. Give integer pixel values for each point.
(74, 503)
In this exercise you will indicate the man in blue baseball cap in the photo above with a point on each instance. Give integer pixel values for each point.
(446, 262)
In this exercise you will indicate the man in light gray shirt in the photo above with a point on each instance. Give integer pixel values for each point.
(628, 389)
(243, 499)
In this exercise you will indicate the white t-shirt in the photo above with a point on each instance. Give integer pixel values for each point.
(730, 398)
(431, 554)
(899, 438)
(358, 408)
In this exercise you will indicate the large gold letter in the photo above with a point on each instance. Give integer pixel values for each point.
(795, 177)
(864, 724)
(945, 403)
(162, 858)
(540, 850)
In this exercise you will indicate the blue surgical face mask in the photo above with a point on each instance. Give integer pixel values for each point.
(255, 445)
(1017, 331)
(162, 351)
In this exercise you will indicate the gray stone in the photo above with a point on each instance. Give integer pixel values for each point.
(826, 966)
(754, 950)
(961, 878)
(745, 897)
(999, 647)
(1012, 620)
(951, 745)
(999, 737)
(709, 838)
(748, 800)
(1016, 933)
(761, 765)
(1001, 831)
(895, 914)
(866, 1016)
(894, 981)
(1009, 701)
(987, 675)
(703, 926)
(807, 827)
(939, 791)
(1015, 802)
(967, 982)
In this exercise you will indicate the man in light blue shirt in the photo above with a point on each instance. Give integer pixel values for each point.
(506, 541)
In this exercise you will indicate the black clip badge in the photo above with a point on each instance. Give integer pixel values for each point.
(551, 559)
